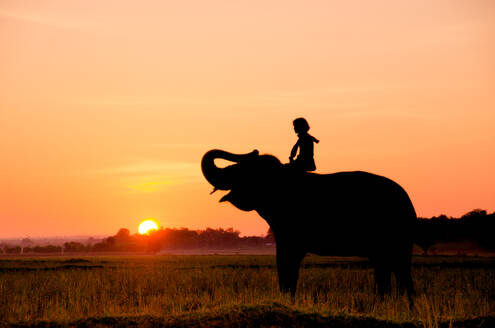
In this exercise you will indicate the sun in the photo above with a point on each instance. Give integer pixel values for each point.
(147, 225)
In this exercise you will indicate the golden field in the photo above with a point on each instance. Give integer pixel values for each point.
(237, 290)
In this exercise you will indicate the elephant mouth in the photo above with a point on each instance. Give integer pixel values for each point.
(235, 197)
(226, 198)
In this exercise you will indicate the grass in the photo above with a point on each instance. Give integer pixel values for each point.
(237, 291)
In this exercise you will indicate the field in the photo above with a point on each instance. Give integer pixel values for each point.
(237, 290)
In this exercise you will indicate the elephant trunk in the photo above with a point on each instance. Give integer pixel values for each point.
(216, 176)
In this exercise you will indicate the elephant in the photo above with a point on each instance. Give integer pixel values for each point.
(339, 214)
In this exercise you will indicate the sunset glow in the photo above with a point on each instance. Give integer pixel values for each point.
(106, 107)
(146, 226)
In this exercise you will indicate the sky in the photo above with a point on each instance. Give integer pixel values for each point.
(106, 107)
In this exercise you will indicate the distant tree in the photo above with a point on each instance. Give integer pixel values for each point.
(13, 250)
(476, 226)
(476, 213)
(25, 242)
(107, 244)
(74, 247)
(123, 235)
(27, 250)
(47, 249)
(100, 247)
(219, 238)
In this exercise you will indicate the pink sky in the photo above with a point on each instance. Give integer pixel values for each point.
(106, 107)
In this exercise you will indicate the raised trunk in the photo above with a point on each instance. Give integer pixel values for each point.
(215, 175)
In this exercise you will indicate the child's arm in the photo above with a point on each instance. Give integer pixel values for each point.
(293, 152)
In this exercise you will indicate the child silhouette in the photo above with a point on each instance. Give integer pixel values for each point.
(304, 160)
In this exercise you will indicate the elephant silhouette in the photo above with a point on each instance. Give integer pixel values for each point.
(340, 214)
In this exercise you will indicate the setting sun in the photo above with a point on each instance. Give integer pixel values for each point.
(146, 226)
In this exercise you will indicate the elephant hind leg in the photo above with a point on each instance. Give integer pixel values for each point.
(382, 280)
(405, 283)
(402, 271)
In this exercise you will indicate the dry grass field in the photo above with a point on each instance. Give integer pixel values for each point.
(237, 290)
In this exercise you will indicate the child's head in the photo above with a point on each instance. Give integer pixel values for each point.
(300, 125)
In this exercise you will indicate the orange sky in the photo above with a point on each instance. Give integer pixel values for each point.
(106, 107)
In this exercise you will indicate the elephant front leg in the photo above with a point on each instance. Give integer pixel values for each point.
(288, 263)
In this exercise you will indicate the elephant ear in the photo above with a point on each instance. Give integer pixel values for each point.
(270, 168)
(268, 178)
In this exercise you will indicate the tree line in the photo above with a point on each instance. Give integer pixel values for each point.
(156, 240)
(476, 227)
(183, 238)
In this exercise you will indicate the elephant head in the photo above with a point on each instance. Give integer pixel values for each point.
(246, 179)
